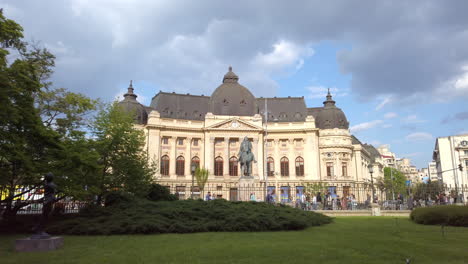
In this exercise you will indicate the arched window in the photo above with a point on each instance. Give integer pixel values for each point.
(218, 169)
(270, 166)
(299, 166)
(284, 167)
(233, 166)
(195, 164)
(180, 166)
(165, 165)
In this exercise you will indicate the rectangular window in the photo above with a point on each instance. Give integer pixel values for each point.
(466, 152)
(329, 169)
(299, 143)
(269, 143)
(284, 143)
(180, 141)
(344, 169)
(195, 142)
(233, 143)
(165, 141)
(466, 164)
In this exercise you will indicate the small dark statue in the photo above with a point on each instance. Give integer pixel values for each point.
(246, 157)
(49, 199)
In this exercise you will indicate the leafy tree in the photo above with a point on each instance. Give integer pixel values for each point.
(427, 190)
(394, 181)
(27, 147)
(315, 188)
(64, 111)
(201, 176)
(123, 162)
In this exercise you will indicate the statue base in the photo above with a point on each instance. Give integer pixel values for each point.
(375, 209)
(31, 244)
(247, 188)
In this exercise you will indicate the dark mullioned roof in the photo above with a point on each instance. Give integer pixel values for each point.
(233, 99)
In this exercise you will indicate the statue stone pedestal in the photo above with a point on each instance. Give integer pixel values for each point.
(246, 188)
(375, 209)
(46, 244)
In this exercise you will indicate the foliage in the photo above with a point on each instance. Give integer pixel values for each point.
(427, 190)
(124, 163)
(160, 193)
(394, 181)
(27, 147)
(315, 188)
(452, 215)
(65, 111)
(141, 216)
(201, 176)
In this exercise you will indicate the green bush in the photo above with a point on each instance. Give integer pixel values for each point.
(186, 216)
(117, 197)
(160, 193)
(452, 215)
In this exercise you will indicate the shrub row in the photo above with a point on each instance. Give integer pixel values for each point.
(140, 216)
(452, 215)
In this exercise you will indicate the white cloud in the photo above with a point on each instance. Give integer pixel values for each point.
(412, 119)
(390, 115)
(284, 54)
(365, 126)
(321, 91)
(384, 102)
(418, 136)
(187, 45)
(410, 155)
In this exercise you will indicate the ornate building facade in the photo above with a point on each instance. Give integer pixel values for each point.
(293, 144)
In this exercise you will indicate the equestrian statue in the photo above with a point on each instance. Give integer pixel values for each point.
(246, 157)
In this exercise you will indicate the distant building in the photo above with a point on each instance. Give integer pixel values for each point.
(432, 169)
(449, 153)
(410, 171)
(388, 157)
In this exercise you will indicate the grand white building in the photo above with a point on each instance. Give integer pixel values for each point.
(449, 153)
(293, 144)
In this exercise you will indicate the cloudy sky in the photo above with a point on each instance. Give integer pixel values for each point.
(399, 69)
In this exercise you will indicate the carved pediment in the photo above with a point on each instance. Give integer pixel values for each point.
(234, 124)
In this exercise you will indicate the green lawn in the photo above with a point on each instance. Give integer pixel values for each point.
(347, 240)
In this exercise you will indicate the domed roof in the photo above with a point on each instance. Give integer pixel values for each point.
(130, 105)
(231, 98)
(331, 116)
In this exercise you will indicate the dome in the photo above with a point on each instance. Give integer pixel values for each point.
(231, 98)
(130, 105)
(331, 116)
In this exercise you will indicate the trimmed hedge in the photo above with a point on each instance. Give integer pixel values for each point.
(452, 215)
(141, 216)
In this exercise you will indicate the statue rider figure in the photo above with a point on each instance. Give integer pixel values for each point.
(246, 157)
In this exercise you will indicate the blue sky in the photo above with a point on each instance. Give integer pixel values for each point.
(398, 69)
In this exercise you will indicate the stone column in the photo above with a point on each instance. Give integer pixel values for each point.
(258, 158)
(292, 159)
(209, 150)
(172, 157)
(276, 158)
(226, 158)
(188, 156)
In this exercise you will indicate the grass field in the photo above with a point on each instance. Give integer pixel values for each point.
(347, 240)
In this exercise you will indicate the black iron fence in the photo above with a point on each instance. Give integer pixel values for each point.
(327, 197)
(315, 196)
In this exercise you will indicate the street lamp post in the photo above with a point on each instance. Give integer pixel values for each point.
(193, 168)
(371, 171)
